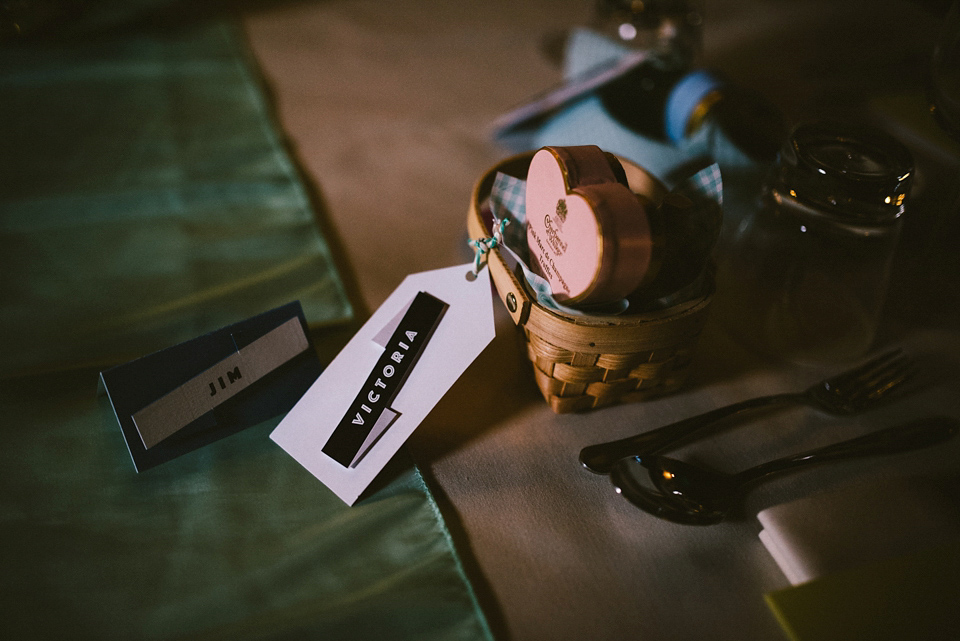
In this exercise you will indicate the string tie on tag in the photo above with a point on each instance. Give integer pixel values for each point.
(483, 246)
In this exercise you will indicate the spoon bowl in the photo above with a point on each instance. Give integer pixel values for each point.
(693, 494)
(640, 487)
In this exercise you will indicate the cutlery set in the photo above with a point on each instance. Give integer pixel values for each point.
(691, 494)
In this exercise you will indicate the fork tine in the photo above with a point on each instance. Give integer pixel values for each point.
(860, 372)
(884, 380)
(883, 372)
(899, 382)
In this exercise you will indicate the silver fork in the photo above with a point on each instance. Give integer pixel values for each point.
(846, 393)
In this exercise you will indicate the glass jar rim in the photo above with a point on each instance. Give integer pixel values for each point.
(855, 171)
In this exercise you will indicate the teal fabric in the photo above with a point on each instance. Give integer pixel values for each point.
(33, 19)
(146, 199)
(233, 541)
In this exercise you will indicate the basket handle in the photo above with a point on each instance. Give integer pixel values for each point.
(511, 291)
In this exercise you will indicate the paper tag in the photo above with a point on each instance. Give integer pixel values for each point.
(376, 392)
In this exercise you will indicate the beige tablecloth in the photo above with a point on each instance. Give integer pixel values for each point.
(388, 106)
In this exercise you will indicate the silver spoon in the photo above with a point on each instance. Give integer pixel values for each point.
(697, 495)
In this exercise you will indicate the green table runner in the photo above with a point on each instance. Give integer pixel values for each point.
(145, 198)
(233, 541)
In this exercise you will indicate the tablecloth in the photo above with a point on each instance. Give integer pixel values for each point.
(391, 106)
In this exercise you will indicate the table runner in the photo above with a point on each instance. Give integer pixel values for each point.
(147, 198)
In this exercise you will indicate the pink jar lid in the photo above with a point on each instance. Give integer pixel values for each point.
(589, 234)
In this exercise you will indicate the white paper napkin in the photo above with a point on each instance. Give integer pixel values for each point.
(855, 524)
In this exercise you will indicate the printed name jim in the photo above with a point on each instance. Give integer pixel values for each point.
(384, 382)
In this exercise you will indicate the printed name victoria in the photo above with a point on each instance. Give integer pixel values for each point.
(388, 376)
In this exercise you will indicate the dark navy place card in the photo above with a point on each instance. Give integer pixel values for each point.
(192, 394)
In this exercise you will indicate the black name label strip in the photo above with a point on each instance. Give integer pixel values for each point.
(401, 353)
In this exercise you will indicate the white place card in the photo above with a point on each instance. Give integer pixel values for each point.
(376, 392)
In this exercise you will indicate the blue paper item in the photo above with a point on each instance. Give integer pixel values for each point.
(212, 386)
(592, 60)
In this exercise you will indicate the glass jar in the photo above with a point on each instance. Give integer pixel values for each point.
(806, 274)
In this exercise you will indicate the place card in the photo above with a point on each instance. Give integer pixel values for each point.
(382, 385)
(189, 395)
(190, 401)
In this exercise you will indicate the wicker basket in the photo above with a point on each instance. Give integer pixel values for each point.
(585, 362)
